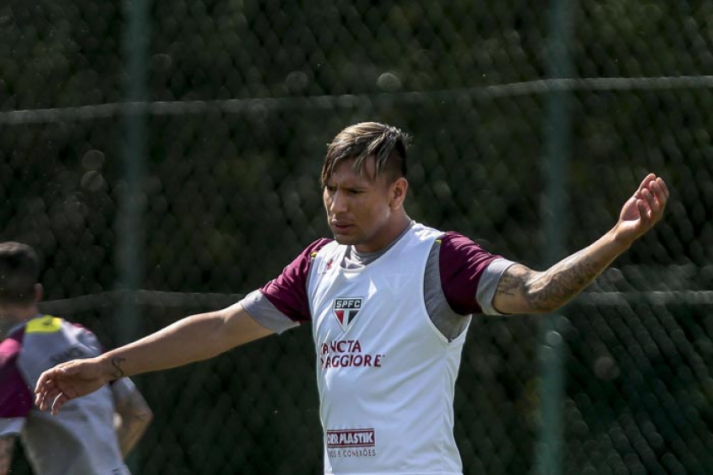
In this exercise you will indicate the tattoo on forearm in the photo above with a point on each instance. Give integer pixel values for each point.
(116, 363)
(565, 282)
(544, 291)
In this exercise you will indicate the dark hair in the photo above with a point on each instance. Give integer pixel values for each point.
(357, 142)
(19, 272)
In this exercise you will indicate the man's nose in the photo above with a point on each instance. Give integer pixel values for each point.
(338, 202)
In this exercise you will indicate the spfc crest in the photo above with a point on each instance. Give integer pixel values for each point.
(346, 310)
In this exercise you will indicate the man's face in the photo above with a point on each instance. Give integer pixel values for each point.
(360, 208)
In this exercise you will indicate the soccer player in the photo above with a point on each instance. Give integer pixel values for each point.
(389, 301)
(93, 434)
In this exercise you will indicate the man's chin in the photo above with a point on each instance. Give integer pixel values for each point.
(344, 239)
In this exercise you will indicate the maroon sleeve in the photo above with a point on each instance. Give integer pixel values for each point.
(462, 263)
(288, 293)
(15, 396)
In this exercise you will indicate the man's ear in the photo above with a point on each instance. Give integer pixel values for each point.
(399, 188)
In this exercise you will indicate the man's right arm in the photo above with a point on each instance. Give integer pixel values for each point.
(7, 442)
(191, 339)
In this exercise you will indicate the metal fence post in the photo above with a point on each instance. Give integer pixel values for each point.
(130, 234)
(555, 216)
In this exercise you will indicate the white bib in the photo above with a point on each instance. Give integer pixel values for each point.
(385, 374)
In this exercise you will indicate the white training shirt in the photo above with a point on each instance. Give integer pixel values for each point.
(81, 439)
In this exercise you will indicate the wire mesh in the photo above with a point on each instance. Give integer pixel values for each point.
(242, 98)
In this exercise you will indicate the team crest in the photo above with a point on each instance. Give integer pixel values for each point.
(346, 310)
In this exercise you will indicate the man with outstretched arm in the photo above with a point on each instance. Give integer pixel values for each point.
(389, 301)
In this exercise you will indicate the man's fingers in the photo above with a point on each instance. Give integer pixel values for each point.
(58, 402)
(645, 183)
(660, 190)
(644, 212)
(43, 381)
(664, 188)
(654, 192)
(652, 200)
(51, 398)
(44, 386)
(660, 194)
(46, 396)
(40, 400)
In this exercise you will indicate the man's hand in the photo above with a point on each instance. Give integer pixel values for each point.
(70, 380)
(643, 210)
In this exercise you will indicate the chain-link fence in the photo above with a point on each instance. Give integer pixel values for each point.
(206, 186)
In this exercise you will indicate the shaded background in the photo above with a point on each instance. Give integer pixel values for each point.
(206, 186)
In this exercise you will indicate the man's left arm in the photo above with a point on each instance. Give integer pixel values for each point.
(133, 414)
(523, 290)
(7, 443)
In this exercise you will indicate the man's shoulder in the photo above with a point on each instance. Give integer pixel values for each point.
(456, 251)
(49, 329)
(51, 340)
(454, 238)
(453, 241)
(316, 246)
(45, 324)
(301, 264)
(423, 231)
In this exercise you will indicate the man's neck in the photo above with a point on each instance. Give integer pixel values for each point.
(17, 314)
(11, 316)
(366, 255)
